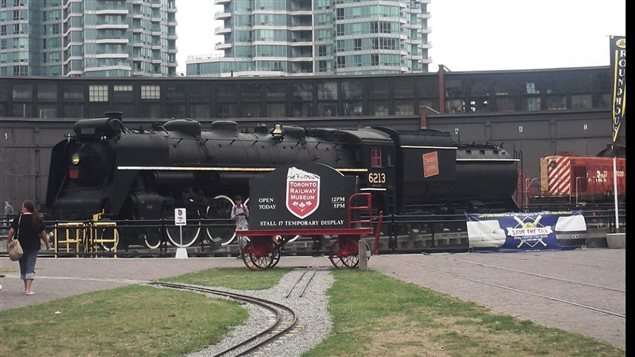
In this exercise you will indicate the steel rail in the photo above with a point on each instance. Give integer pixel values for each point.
(254, 342)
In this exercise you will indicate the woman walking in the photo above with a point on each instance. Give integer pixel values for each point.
(28, 228)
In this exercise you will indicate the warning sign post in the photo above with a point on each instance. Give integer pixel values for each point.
(180, 219)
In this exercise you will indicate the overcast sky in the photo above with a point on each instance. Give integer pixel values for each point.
(473, 35)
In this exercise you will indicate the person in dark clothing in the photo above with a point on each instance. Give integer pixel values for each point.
(8, 212)
(28, 228)
(240, 213)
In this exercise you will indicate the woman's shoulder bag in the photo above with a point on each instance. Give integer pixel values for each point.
(13, 245)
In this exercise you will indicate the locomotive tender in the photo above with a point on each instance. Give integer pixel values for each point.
(144, 174)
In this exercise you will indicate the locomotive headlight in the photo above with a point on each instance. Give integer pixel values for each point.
(75, 159)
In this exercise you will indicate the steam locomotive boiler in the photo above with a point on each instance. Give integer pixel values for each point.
(145, 174)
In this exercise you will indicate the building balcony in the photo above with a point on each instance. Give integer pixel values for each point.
(112, 12)
(222, 46)
(109, 55)
(108, 68)
(308, 58)
(221, 30)
(111, 26)
(220, 15)
(110, 40)
(300, 42)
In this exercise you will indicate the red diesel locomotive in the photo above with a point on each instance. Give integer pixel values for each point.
(581, 178)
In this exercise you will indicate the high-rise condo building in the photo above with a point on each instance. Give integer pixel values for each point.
(320, 37)
(92, 38)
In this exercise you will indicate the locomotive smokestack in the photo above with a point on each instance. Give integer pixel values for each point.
(114, 115)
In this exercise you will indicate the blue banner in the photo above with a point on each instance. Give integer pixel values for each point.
(521, 231)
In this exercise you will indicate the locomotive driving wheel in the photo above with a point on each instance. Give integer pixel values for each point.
(220, 208)
(260, 254)
(151, 238)
(344, 252)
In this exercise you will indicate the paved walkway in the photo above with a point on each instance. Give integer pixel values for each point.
(582, 290)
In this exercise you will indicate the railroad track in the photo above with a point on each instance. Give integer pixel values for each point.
(302, 282)
(283, 319)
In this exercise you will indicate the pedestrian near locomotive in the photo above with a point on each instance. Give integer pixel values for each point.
(28, 228)
(240, 213)
(8, 213)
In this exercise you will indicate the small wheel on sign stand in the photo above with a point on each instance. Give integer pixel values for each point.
(334, 257)
(258, 255)
(276, 256)
(349, 252)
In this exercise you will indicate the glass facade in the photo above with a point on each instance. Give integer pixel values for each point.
(319, 37)
(105, 38)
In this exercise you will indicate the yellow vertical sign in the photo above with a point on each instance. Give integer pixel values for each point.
(618, 67)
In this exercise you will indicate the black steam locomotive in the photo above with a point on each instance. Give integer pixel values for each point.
(146, 174)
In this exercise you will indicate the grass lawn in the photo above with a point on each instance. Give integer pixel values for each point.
(376, 315)
(373, 314)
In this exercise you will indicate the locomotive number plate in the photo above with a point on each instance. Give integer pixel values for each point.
(377, 178)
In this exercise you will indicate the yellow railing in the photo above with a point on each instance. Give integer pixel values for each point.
(69, 234)
(103, 234)
(86, 237)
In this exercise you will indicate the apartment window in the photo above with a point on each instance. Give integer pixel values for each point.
(341, 62)
(357, 61)
(321, 50)
(321, 66)
(374, 59)
(357, 46)
(150, 92)
(340, 14)
(97, 93)
(339, 30)
(340, 45)
(380, 27)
